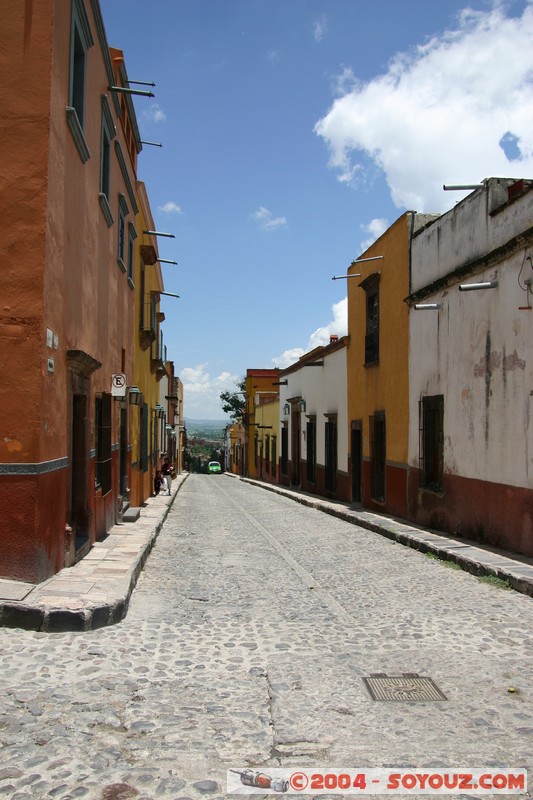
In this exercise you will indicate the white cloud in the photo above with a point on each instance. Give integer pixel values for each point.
(288, 357)
(267, 221)
(201, 392)
(338, 326)
(320, 28)
(154, 113)
(273, 56)
(440, 112)
(375, 228)
(170, 208)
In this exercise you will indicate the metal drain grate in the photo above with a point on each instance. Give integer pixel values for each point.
(408, 687)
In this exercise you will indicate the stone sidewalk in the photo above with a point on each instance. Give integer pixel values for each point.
(477, 559)
(96, 591)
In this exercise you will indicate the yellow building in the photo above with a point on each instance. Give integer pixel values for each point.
(147, 414)
(236, 448)
(259, 383)
(378, 369)
(267, 436)
(179, 426)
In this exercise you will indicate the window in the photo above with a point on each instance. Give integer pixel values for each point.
(331, 453)
(107, 135)
(143, 437)
(102, 426)
(371, 288)
(267, 454)
(122, 214)
(284, 463)
(132, 235)
(142, 297)
(274, 456)
(431, 427)
(80, 41)
(377, 455)
(311, 449)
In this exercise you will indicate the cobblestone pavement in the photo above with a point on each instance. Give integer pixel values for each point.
(248, 635)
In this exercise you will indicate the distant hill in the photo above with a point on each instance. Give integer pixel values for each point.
(206, 427)
(206, 423)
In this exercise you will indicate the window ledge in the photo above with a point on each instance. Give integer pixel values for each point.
(106, 210)
(77, 134)
(121, 264)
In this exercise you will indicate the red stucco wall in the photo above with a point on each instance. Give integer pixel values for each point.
(59, 272)
(489, 513)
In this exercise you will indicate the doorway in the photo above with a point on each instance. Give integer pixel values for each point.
(356, 457)
(295, 446)
(79, 517)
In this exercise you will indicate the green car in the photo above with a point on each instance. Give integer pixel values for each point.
(213, 467)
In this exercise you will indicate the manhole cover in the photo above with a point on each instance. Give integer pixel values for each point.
(408, 687)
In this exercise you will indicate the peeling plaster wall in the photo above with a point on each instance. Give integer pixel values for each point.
(476, 352)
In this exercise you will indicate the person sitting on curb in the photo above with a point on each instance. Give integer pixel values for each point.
(166, 470)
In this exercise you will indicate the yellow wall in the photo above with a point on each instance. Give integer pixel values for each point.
(267, 415)
(237, 446)
(143, 377)
(257, 380)
(382, 387)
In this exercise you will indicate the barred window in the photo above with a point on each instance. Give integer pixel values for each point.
(431, 430)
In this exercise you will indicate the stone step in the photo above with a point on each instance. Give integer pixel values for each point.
(131, 514)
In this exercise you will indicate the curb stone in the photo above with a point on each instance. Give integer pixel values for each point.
(470, 556)
(73, 610)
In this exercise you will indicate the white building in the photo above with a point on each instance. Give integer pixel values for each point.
(471, 368)
(314, 422)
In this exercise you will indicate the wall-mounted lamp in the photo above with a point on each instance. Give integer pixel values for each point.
(472, 287)
(124, 90)
(168, 428)
(135, 395)
(340, 277)
(159, 233)
(301, 405)
(357, 261)
(167, 294)
(427, 306)
(464, 187)
(159, 411)
(286, 409)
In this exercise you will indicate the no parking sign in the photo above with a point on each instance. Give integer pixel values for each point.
(118, 385)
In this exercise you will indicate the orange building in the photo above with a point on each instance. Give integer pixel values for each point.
(69, 144)
(378, 369)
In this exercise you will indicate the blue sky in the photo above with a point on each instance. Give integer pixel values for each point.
(294, 132)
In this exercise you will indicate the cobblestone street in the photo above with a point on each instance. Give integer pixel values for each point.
(246, 643)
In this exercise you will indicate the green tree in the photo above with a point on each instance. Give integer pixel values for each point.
(233, 403)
